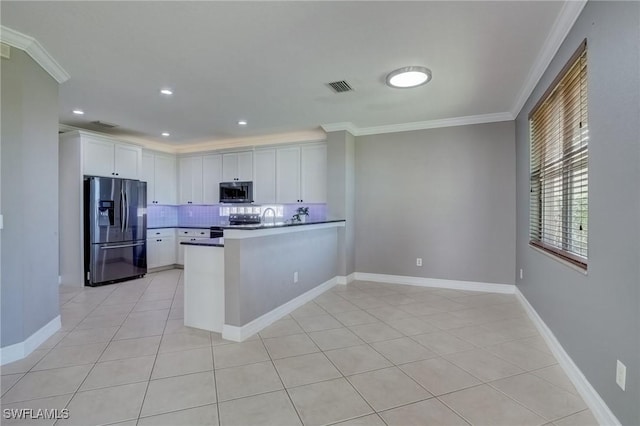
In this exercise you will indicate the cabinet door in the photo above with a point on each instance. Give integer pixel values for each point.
(211, 178)
(97, 157)
(229, 167)
(190, 180)
(185, 187)
(264, 177)
(245, 166)
(128, 161)
(288, 175)
(161, 252)
(313, 161)
(165, 179)
(147, 175)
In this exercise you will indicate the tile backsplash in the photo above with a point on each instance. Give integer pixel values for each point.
(209, 215)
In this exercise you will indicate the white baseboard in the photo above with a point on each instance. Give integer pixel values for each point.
(342, 280)
(436, 282)
(238, 334)
(20, 350)
(598, 407)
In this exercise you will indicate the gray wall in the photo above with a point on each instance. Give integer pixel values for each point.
(29, 192)
(446, 195)
(258, 272)
(595, 317)
(341, 195)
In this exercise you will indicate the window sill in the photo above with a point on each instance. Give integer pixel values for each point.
(560, 260)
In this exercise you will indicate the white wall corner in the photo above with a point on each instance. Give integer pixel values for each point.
(342, 280)
(561, 27)
(34, 49)
(437, 283)
(22, 349)
(596, 404)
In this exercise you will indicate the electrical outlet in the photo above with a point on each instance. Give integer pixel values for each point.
(520, 273)
(621, 375)
(419, 261)
(295, 277)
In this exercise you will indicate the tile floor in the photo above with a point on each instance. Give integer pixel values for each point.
(362, 354)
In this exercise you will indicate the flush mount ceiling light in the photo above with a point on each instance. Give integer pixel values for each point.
(166, 134)
(166, 91)
(406, 77)
(78, 111)
(242, 122)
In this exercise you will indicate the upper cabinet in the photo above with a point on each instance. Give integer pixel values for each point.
(190, 178)
(264, 176)
(237, 166)
(105, 157)
(159, 171)
(301, 174)
(211, 178)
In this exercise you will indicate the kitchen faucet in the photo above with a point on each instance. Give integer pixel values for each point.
(264, 213)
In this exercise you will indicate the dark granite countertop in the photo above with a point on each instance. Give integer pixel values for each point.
(207, 242)
(186, 227)
(266, 225)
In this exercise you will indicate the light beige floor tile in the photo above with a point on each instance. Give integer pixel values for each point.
(357, 359)
(46, 383)
(134, 330)
(318, 323)
(99, 321)
(176, 326)
(479, 335)
(369, 302)
(247, 380)
(375, 332)
(136, 317)
(71, 355)
(97, 406)
(583, 418)
(537, 342)
(483, 365)
(217, 340)
(305, 369)
(388, 388)
(403, 350)
(154, 305)
(120, 372)
(370, 420)
(199, 416)
(336, 338)
(443, 343)
(269, 409)
(540, 396)
(439, 376)
(309, 309)
(8, 380)
(328, 402)
(178, 393)
(451, 320)
(131, 348)
(235, 354)
(522, 355)
(85, 337)
(424, 413)
(124, 308)
(25, 364)
(183, 362)
(283, 327)
(183, 341)
(388, 313)
(153, 295)
(556, 376)
(285, 346)
(358, 317)
(51, 403)
(483, 405)
(412, 326)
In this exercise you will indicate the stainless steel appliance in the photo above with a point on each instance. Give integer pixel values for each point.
(115, 226)
(244, 219)
(236, 192)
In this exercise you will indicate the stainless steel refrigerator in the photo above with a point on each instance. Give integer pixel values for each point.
(115, 230)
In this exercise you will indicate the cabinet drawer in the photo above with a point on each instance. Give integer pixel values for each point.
(161, 233)
(188, 232)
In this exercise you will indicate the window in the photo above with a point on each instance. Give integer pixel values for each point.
(559, 133)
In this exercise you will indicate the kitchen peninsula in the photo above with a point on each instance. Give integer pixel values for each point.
(256, 274)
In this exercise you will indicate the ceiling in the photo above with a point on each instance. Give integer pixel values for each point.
(269, 62)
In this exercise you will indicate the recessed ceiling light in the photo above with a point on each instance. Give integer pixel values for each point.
(165, 134)
(242, 122)
(407, 77)
(166, 91)
(78, 111)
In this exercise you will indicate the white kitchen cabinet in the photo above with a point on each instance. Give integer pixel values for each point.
(264, 176)
(237, 166)
(161, 247)
(211, 178)
(313, 173)
(104, 157)
(189, 234)
(190, 180)
(159, 171)
(288, 175)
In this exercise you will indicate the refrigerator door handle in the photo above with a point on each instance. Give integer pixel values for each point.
(126, 206)
(121, 246)
(122, 207)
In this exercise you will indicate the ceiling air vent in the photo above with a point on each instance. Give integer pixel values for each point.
(104, 124)
(340, 86)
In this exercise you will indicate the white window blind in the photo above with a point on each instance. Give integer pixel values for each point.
(559, 135)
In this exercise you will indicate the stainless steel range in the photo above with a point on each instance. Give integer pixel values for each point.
(244, 219)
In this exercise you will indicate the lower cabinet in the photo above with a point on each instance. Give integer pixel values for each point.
(161, 247)
(189, 234)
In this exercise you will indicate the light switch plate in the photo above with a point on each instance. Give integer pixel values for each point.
(621, 375)
(1, 221)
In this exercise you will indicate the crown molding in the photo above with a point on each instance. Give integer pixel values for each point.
(418, 125)
(34, 49)
(561, 27)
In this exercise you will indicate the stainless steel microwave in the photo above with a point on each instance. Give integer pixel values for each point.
(236, 192)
